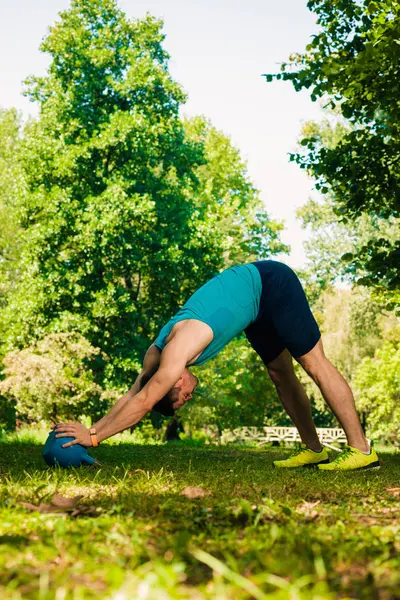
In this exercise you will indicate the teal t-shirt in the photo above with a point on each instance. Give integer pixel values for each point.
(228, 303)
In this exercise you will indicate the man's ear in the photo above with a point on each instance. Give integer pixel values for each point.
(180, 381)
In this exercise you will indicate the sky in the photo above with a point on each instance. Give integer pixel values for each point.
(218, 50)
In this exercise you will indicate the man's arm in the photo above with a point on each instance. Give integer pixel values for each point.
(141, 403)
(188, 342)
(150, 364)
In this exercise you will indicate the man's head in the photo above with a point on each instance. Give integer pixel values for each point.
(180, 394)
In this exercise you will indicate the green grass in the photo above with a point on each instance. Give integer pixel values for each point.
(257, 534)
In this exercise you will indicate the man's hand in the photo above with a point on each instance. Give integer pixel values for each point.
(76, 430)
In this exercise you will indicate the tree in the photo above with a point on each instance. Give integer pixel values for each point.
(378, 392)
(231, 201)
(351, 328)
(109, 219)
(12, 193)
(119, 225)
(54, 379)
(353, 63)
(330, 239)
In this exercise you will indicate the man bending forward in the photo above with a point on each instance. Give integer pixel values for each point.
(264, 299)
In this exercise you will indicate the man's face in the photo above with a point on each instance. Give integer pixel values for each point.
(184, 389)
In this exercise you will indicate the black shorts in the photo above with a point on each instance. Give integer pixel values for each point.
(284, 319)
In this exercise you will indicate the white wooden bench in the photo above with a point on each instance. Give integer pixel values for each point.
(327, 435)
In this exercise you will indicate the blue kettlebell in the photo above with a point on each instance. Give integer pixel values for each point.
(73, 456)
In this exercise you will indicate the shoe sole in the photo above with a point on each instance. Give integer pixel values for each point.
(308, 465)
(373, 466)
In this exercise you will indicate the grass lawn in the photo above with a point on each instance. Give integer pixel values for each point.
(257, 533)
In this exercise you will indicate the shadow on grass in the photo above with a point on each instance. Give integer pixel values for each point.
(224, 470)
(254, 517)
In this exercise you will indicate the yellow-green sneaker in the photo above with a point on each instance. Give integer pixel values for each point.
(351, 459)
(303, 457)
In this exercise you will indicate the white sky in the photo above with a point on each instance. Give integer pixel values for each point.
(218, 52)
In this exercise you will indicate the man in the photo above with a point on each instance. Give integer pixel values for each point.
(264, 299)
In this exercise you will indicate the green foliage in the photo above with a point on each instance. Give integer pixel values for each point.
(331, 241)
(353, 63)
(55, 379)
(350, 327)
(113, 211)
(109, 221)
(12, 193)
(122, 221)
(378, 382)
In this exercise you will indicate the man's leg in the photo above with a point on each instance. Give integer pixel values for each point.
(294, 399)
(336, 393)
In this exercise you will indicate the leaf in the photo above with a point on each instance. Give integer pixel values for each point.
(61, 504)
(347, 256)
(42, 508)
(307, 509)
(193, 492)
(308, 506)
(395, 491)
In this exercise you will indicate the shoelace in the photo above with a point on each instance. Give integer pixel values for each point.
(344, 454)
(299, 450)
